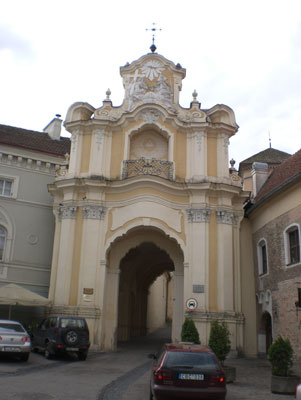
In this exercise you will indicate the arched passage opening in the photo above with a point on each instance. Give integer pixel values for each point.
(135, 260)
(138, 270)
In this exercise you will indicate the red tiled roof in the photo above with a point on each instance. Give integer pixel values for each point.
(281, 175)
(32, 140)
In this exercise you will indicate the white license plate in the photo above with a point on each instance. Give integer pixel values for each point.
(71, 349)
(192, 377)
(12, 349)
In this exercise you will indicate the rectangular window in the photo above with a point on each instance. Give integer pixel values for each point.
(264, 259)
(294, 248)
(6, 187)
(299, 296)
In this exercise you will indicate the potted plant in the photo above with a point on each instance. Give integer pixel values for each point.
(189, 332)
(280, 355)
(220, 344)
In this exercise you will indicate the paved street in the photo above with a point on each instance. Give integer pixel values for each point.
(123, 375)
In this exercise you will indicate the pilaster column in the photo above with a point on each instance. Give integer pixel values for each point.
(67, 218)
(222, 156)
(111, 308)
(197, 277)
(75, 153)
(178, 305)
(90, 251)
(99, 153)
(225, 260)
(196, 155)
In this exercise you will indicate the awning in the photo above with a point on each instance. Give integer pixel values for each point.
(12, 294)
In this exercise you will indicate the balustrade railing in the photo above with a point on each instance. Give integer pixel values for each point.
(144, 166)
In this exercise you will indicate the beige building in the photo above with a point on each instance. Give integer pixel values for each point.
(274, 219)
(148, 192)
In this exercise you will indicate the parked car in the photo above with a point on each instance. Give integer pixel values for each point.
(62, 334)
(298, 392)
(187, 371)
(14, 339)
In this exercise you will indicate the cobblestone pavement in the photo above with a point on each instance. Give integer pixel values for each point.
(123, 375)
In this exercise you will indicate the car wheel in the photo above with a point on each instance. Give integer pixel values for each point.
(24, 357)
(82, 356)
(47, 352)
(71, 338)
(150, 394)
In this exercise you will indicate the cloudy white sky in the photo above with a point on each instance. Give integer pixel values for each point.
(245, 54)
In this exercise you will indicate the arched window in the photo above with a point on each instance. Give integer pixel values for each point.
(2, 242)
(262, 257)
(292, 245)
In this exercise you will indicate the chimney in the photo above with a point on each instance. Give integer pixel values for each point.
(54, 128)
(259, 173)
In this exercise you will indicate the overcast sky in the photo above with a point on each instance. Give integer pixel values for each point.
(245, 54)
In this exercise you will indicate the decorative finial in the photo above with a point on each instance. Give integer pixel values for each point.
(108, 93)
(232, 163)
(270, 140)
(153, 29)
(194, 95)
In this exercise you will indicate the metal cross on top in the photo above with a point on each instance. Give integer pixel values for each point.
(153, 29)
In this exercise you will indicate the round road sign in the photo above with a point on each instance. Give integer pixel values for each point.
(191, 304)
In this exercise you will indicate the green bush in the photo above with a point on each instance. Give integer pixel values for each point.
(219, 340)
(280, 355)
(189, 332)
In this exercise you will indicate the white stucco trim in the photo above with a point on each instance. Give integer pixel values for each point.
(7, 223)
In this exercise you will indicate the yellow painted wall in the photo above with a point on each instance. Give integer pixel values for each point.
(212, 155)
(86, 151)
(213, 263)
(248, 288)
(180, 156)
(275, 207)
(76, 259)
(118, 141)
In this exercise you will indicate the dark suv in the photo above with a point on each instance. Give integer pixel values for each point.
(61, 334)
(187, 371)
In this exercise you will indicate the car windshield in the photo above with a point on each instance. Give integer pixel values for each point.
(10, 327)
(72, 323)
(189, 359)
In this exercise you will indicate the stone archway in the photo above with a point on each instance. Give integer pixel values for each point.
(138, 270)
(134, 262)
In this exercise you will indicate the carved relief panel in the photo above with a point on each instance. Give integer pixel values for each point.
(148, 144)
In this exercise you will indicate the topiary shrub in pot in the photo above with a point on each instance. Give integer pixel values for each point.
(189, 332)
(220, 344)
(280, 355)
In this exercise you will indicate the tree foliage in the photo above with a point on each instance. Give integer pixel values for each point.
(189, 332)
(219, 340)
(280, 355)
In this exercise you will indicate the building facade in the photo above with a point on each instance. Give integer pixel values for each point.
(28, 163)
(148, 191)
(275, 219)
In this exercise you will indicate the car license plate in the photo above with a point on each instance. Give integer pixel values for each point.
(12, 349)
(194, 377)
(71, 349)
